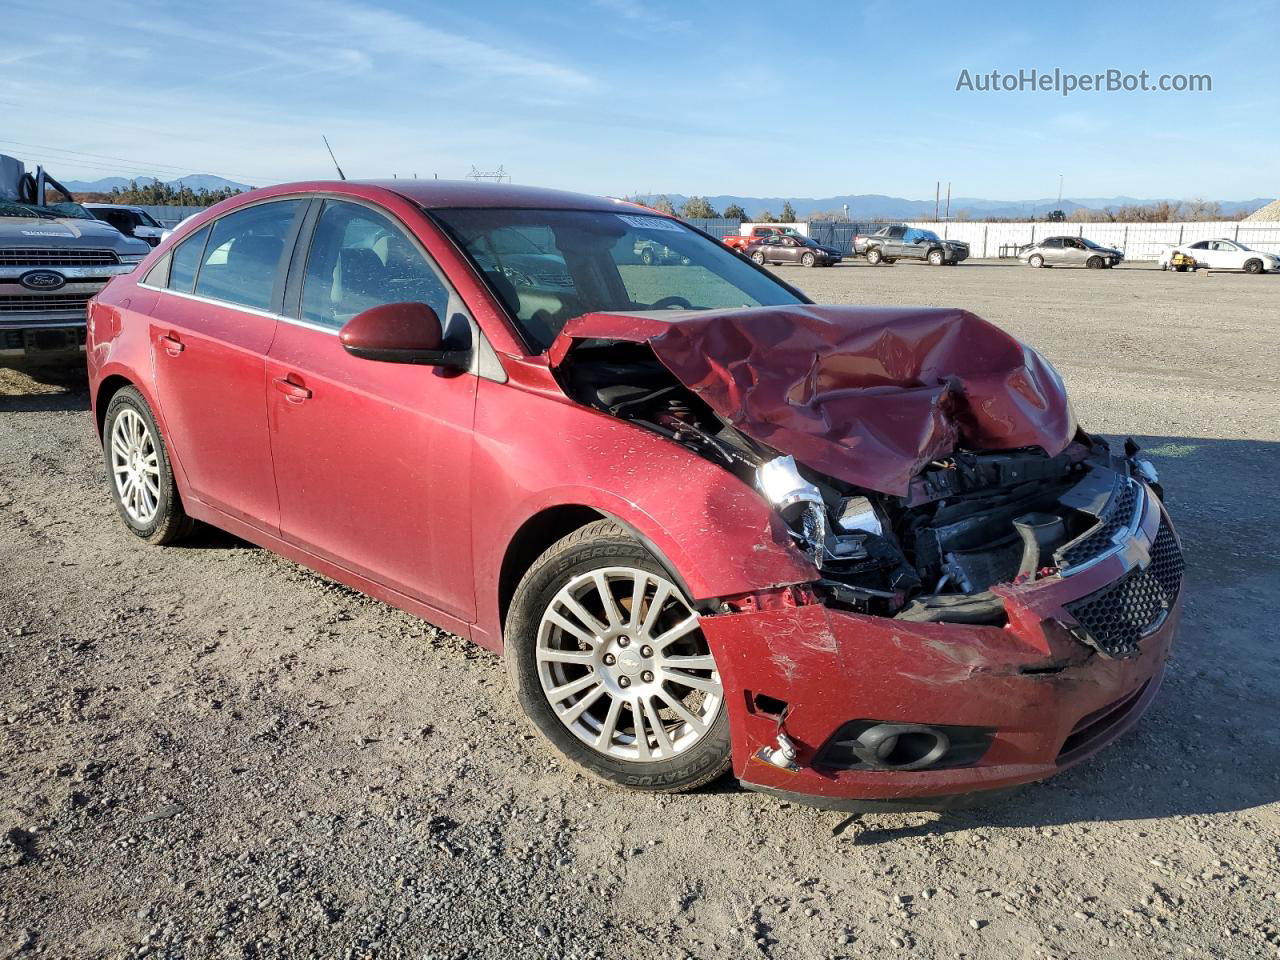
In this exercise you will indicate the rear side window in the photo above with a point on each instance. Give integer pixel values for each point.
(186, 258)
(242, 259)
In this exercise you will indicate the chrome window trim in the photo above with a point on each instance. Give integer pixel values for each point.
(214, 302)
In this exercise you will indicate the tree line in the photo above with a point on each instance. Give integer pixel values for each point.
(1162, 211)
(700, 208)
(159, 194)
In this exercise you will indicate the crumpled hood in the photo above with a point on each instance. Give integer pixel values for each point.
(868, 395)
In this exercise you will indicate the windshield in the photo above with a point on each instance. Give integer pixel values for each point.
(1093, 246)
(930, 236)
(549, 266)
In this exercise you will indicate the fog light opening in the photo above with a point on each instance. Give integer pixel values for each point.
(901, 746)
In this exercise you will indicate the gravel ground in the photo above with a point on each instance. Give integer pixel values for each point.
(209, 751)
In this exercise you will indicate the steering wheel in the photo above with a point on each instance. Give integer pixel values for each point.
(666, 303)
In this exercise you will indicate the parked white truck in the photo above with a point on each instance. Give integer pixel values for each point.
(54, 256)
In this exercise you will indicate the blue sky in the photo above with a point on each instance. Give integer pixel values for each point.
(618, 96)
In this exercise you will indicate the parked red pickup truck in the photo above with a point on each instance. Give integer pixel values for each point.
(756, 234)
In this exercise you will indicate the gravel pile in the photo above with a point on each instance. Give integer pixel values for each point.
(1271, 212)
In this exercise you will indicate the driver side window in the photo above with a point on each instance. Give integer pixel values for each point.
(360, 259)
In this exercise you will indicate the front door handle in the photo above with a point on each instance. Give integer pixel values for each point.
(294, 392)
(172, 345)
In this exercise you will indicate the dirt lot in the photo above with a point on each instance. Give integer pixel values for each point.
(209, 751)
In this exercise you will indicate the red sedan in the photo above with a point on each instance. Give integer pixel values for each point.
(862, 556)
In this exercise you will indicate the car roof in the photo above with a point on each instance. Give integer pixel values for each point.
(443, 194)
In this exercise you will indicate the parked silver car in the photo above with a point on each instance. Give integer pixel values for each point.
(1069, 252)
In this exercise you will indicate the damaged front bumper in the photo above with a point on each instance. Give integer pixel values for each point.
(853, 711)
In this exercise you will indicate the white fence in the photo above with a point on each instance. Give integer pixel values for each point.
(1139, 241)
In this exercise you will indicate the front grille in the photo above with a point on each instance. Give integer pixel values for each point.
(56, 257)
(1116, 516)
(42, 303)
(1115, 618)
(58, 338)
(554, 279)
(1097, 725)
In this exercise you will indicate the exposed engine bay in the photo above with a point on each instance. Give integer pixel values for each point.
(970, 519)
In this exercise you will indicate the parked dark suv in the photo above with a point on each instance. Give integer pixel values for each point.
(901, 242)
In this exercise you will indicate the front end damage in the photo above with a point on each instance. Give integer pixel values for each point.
(996, 590)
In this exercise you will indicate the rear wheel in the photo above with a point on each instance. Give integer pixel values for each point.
(1094, 263)
(139, 472)
(758, 257)
(1035, 260)
(1253, 266)
(936, 258)
(808, 260)
(646, 257)
(609, 662)
(874, 256)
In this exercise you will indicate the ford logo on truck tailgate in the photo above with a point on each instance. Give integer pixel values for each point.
(42, 280)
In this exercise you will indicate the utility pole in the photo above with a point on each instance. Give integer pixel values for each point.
(1059, 191)
(937, 191)
(947, 215)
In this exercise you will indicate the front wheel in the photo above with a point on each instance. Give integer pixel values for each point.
(758, 258)
(1036, 261)
(646, 257)
(1094, 263)
(808, 260)
(609, 662)
(1253, 266)
(936, 258)
(874, 256)
(139, 472)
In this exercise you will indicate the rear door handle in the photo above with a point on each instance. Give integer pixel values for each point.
(294, 392)
(172, 345)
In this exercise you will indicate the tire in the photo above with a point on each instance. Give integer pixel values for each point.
(646, 257)
(607, 658)
(874, 256)
(758, 258)
(1181, 268)
(936, 258)
(808, 260)
(1094, 263)
(1253, 266)
(1035, 260)
(139, 473)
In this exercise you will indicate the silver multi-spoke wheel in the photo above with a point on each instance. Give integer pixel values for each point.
(623, 663)
(135, 466)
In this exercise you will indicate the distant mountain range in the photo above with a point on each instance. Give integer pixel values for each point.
(196, 181)
(872, 206)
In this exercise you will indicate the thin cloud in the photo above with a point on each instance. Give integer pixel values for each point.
(379, 31)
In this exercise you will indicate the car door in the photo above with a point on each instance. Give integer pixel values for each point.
(894, 243)
(1225, 255)
(210, 329)
(372, 459)
(789, 250)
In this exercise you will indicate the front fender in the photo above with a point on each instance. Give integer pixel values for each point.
(534, 453)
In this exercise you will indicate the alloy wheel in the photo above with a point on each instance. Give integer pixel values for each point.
(135, 466)
(622, 661)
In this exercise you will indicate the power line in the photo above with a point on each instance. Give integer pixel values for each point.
(143, 164)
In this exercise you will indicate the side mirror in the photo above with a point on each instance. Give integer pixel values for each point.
(401, 333)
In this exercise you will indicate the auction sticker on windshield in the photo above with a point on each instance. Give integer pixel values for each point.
(649, 223)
